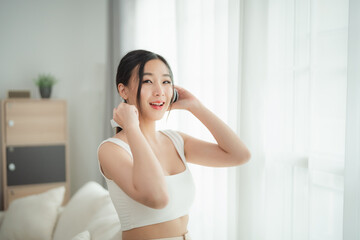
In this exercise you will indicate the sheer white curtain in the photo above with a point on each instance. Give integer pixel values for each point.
(200, 40)
(208, 53)
(294, 113)
(276, 72)
(352, 163)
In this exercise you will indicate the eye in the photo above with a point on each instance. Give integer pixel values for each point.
(167, 82)
(147, 81)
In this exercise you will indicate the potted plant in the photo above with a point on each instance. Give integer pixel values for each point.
(45, 83)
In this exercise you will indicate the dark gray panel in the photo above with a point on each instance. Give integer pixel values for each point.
(35, 164)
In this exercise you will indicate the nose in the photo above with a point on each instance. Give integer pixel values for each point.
(158, 90)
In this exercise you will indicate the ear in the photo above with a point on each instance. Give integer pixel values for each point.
(123, 91)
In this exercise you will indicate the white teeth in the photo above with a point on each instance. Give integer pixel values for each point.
(157, 104)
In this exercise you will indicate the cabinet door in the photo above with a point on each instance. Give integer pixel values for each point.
(35, 165)
(32, 122)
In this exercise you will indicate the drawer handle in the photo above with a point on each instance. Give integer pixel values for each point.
(12, 167)
(11, 123)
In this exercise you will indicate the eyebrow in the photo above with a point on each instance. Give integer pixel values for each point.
(165, 75)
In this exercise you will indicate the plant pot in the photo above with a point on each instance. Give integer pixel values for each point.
(45, 92)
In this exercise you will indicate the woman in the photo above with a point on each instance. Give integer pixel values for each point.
(146, 170)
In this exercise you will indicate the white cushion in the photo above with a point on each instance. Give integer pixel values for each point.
(2, 215)
(89, 203)
(85, 235)
(32, 217)
(105, 223)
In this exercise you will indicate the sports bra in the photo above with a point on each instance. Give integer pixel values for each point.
(181, 191)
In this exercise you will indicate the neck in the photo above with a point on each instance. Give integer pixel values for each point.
(148, 128)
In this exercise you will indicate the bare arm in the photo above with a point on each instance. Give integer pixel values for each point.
(141, 177)
(229, 150)
(148, 176)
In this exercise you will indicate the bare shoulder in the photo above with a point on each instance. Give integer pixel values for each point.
(112, 156)
(109, 148)
(184, 136)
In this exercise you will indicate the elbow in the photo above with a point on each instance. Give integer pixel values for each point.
(244, 157)
(247, 156)
(157, 200)
(160, 204)
(154, 195)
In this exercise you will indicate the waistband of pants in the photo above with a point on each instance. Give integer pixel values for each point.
(186, 236)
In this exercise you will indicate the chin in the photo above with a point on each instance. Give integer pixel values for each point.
(154, 115)
(151, 116)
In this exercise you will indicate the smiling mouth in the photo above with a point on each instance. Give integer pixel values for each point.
(158, 104)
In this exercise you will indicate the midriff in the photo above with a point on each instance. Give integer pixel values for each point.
(173, 228)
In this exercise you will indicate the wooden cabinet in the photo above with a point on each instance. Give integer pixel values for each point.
(34, 147)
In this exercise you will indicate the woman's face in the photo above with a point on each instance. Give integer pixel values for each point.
(156, 90)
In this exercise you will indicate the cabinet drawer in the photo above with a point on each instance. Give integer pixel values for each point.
(35, 164)
(31, 122)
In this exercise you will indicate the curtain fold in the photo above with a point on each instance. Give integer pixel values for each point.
(253, 79)
(352, 163)
(293, 116)
(207, 42)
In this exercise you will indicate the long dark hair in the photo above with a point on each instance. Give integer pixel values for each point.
(133, 59)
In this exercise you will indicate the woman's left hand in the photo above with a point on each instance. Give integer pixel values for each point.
(186, 100)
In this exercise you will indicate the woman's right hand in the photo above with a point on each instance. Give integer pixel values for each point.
(126, 115)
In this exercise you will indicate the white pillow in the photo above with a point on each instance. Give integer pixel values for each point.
(32, 217)
(105, 222)
(2, 215)
(79, 211)
(85, 235)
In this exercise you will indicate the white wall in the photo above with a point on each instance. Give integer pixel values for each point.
(69, 40)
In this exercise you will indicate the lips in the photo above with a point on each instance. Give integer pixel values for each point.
(158, 105)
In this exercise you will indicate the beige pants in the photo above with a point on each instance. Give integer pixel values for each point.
(186, 236)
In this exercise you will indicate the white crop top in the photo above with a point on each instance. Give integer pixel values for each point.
(181, 191)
